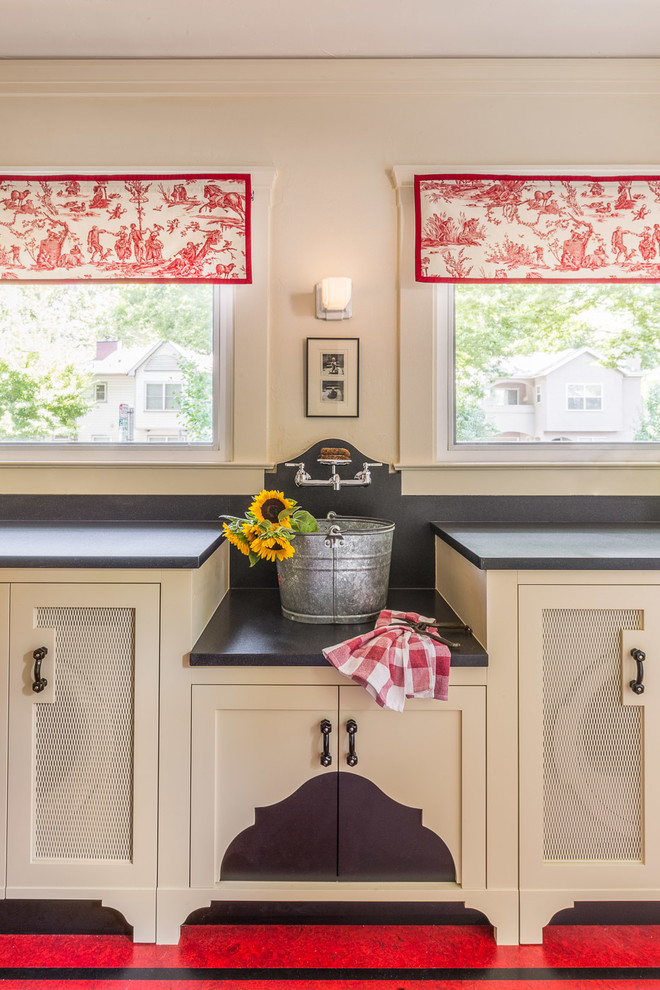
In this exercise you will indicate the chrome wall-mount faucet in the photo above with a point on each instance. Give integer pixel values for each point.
(305, 480)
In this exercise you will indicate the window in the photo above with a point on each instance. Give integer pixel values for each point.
(450, 400)
(162, 396)
(584, 396)
(506, 396)
(233, 427)
(80, 363)
(584, 341)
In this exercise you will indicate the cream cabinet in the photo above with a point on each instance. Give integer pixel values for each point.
(4, 708)
(82, 656)
(312, 789)
(589, 741)
(573, 729)
(83, 744)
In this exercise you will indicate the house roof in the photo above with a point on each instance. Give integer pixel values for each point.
(127, 360)
(539, 364)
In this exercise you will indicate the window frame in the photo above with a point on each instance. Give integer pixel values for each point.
(100, 385)
(240, 316)
(502, 451)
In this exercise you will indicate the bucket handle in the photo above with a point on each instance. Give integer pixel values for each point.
(334, 537)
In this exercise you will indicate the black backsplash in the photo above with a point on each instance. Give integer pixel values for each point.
(413, 548)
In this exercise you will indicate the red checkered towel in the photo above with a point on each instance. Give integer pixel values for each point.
(394, 661)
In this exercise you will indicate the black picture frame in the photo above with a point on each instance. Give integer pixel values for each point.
(332, 387)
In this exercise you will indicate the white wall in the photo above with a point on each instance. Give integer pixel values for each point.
(333, 130)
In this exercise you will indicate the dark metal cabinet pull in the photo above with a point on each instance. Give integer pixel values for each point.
(639, 657)
(326, 729)
(351, 728)
(39, 682)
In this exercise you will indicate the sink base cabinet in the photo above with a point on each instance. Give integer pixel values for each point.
(393, 810)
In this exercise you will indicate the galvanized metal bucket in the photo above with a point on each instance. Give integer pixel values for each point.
(339, 574)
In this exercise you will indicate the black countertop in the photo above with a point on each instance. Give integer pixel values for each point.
(599, 546)
(249, 630)
(25, 543)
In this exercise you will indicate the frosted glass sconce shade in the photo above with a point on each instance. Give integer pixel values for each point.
(333, 299)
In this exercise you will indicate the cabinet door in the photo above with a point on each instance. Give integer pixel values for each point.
(83, 751)
(430, 757)
(4, 678)
(588, 743)
(264, 806)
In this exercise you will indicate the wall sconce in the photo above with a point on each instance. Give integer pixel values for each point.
(334, 299)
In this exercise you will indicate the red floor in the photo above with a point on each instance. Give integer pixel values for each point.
(337, 957)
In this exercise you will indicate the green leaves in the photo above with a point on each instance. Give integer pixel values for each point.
(304, 522)
(36, 404)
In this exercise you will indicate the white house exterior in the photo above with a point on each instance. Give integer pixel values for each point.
(135, 394)
(565, 396)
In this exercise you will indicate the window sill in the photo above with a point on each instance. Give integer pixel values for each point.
(529, 465)
(141, 462)
(539, 478)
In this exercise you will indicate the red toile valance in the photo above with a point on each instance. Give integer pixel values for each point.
(515, 228)
(150, 228)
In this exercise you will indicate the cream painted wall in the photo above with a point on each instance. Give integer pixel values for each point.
(333, 130)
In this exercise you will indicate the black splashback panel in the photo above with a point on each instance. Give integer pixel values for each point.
(413, 548)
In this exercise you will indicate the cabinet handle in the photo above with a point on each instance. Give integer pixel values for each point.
(351, 728)
(639, 657)
(326, 729)
(39, 682)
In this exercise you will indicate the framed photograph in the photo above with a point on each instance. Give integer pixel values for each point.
(333, 376)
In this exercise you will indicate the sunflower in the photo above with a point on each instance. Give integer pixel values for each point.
(237, 539)
(272, 548)
(267, 507)
(251, 532)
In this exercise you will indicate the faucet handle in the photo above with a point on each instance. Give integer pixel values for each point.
(364, 475)
(301, 474)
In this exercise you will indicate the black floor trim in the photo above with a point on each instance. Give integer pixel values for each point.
(336, 913)
(222, 975)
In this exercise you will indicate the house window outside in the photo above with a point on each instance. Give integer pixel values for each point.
(100, 392)
(162, 396)
(503, 396)
(580, 341)
(584, 396)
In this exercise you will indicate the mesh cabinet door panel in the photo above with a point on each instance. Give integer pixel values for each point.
(83, 753)
(588, 795)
